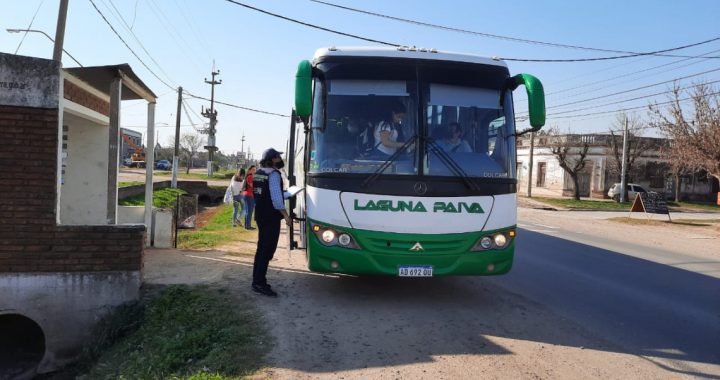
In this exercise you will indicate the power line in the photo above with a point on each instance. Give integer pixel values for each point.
(127, 27)
(633, 89)
(312, 25)
(198, 36)
(165, 83)
(236, 106)
(164, 19)
(629, 109)
(489, 35)
(624, 101)
(631, 73)
(30, 27)
(615, 57)
(128, 46)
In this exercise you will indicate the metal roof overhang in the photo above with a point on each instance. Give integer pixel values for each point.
(100, 77)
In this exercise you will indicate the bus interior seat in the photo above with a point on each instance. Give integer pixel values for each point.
(473, 164)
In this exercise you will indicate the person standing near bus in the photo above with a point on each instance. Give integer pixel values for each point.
(269, 211)
(248, 198)
(236, 185)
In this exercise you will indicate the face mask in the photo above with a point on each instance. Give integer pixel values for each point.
(280, 164)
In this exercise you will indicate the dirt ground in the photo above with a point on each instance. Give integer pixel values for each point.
(342, 327)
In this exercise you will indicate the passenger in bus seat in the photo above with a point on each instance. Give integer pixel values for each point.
(388, 134)
(453, 141)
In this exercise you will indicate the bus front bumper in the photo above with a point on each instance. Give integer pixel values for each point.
(335, 259)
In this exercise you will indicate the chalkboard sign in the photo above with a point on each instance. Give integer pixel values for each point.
(650, 203)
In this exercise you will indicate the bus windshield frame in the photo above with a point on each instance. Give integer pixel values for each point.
(408, 118)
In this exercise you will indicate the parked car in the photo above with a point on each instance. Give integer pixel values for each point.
(163, 165)
(632, 188)
(127, 161)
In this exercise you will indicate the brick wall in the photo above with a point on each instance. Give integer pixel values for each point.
(30, 240)
(76, 94)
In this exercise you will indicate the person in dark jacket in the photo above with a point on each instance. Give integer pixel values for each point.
(269, 211)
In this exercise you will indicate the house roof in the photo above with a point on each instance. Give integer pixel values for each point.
(100, 78)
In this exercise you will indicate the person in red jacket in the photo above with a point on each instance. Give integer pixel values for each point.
(249, 198)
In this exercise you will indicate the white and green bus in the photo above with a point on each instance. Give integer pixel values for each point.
(408, 161)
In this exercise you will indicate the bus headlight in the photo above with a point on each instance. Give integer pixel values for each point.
(331, 237)
(344, 240)
(486, 242)
(500, 240)
(328, 236)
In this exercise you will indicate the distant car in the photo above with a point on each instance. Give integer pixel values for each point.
(632, 188)
(127, 161)
(163, 165)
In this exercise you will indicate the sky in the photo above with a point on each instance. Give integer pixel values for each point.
(257, 54)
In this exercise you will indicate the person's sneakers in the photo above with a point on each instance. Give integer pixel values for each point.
(264, 290)
(250, 228)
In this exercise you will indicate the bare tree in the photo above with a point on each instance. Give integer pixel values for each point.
(695, 140)
(636, 144)
(571, 152)
(190, 144)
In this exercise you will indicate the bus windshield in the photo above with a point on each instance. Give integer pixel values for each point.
(469, 126)
(366, 123)
(437, 120)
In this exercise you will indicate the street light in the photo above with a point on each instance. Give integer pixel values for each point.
(44, 34)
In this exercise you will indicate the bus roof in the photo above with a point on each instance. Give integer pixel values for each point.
(404, 52)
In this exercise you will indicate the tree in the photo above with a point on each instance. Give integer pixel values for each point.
(694, 128)
(636, 145)
(571, 152)
(190, 144)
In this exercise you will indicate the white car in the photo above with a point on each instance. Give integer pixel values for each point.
(632, 188)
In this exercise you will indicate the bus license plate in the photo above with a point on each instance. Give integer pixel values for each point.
(415, 271)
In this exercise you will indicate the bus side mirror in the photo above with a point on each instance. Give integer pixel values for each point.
(536, 100)
(303, 90)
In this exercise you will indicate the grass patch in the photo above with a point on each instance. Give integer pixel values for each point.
(612, 205)
(131, 183)
(584, 204)
(695, 206)
(218, 231)
(162, 198)
(182, 332)
(223, 174)
(657, 222)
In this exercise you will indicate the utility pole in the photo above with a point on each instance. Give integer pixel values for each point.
(176, 155)
(60, 31)
(242, 150)
(530, 165)
(212, 115)
(242, 144)
(623, 180)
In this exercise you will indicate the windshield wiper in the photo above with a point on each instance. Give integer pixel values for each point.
(451, 164)
(387, 162)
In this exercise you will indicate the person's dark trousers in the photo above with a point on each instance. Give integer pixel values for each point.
(268, 235)
(249, 208)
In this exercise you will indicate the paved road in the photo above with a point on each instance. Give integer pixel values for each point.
(621, 291)
(587, 298)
